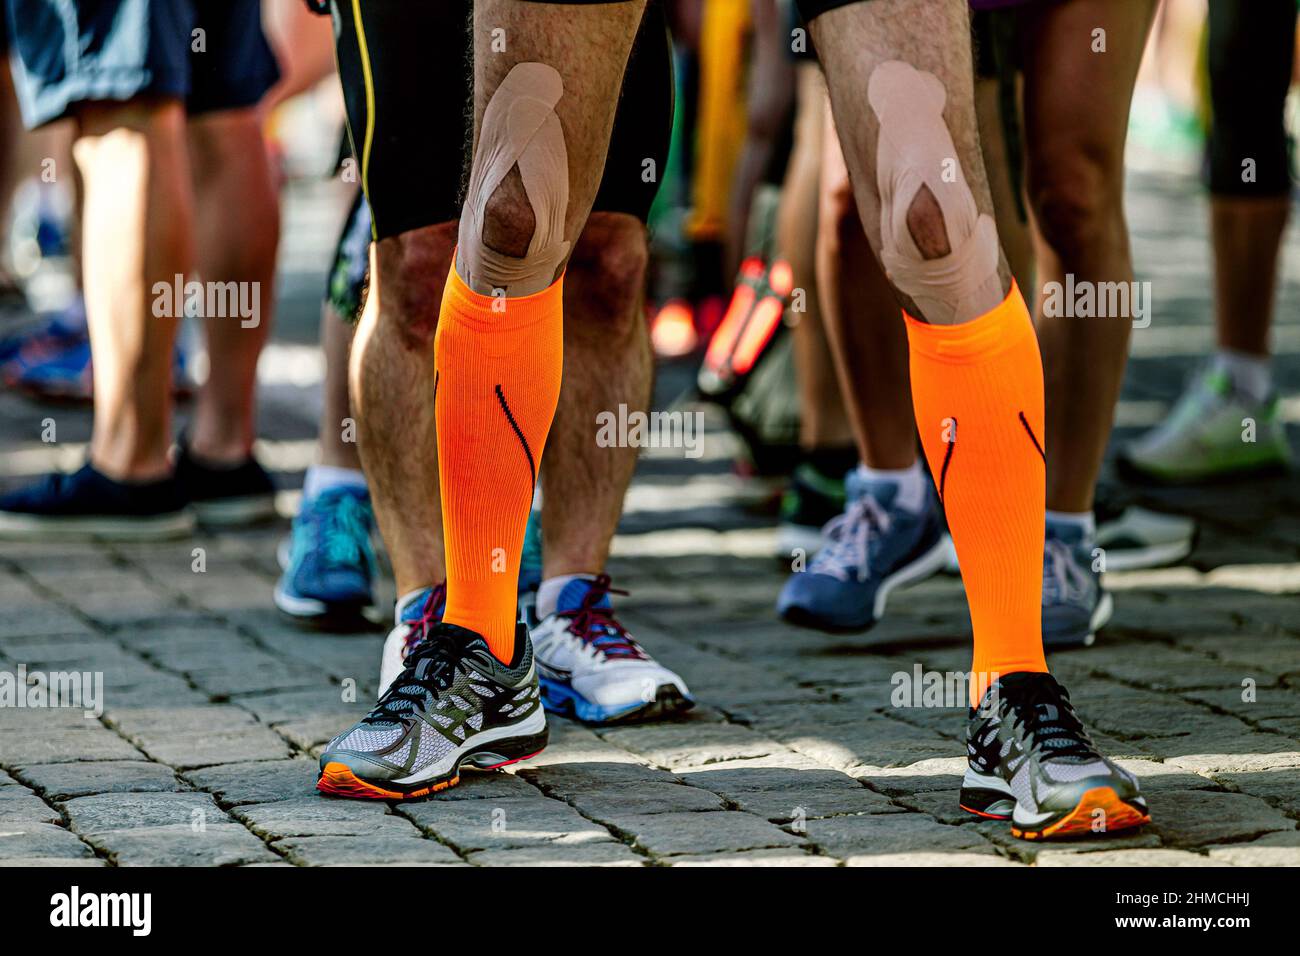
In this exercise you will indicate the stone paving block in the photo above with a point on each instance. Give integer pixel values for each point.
(19, 805)
(1281, 788)
(63, 781)
(1247, 753)
(563, 854)
(100, 813)
(929, 859)
(323, 699)
(999, 834)
(691, 743)
(41, 619)
(644, 798)
(669, 834)
(231, 668)
(86, 740)
(315, 815)
(27, 862)
(1155, 857)
(1155, 776)
(23, 840)
(892, 833)
(267, 781)
(806, 791)
(566, 779)
(938, 773)
(148, 722)
(311, 734)
(198, 749)
(775, 857)
(1272, 849)
(221, 844)
(491, 786)
(943, 805)
(1199, 817)
(1168, 668)
(392, 848)
(470, 825)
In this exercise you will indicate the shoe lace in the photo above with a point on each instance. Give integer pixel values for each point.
(848, 539)
(1063, 579)
(1044, 712)
(597, 627)
(428, 672)
(429, 618)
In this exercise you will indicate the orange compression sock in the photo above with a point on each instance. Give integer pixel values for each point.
(977, 389)
(498, 364)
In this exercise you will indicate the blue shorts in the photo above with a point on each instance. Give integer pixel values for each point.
(210, 53)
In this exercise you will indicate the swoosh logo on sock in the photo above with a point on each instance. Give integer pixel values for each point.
(505, 407)
(1024, 421)
(947, 460)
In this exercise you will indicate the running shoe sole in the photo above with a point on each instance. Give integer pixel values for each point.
(326, 616)
(165, 527)
(338, 779)
(985, 796)
(929, 563)
(562, 700)
(235, 512)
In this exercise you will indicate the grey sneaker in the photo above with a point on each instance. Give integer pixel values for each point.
(1075, 606)
(452, 704)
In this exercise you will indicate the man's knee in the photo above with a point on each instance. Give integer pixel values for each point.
(608, 270)
(1076, 201)
(408, 273)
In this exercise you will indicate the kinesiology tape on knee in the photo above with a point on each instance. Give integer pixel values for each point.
(520, 128)
(916, 150)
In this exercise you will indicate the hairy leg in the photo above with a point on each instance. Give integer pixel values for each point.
(607, 363)
(137, 228)
(1076, 118)
(391, 373)
(1247, 236)
(238, 231)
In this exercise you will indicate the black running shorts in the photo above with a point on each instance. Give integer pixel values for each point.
(407, 74)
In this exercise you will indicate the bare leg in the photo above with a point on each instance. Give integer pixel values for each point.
(861, 316)
(238, 230)
(1076, 116)
(1247, 235)
(607, 363)
(137, 229)
(336, 343)
(823, 422)
(392, 396)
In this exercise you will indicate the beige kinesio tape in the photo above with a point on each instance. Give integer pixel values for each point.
(519, 127)
(915, 149)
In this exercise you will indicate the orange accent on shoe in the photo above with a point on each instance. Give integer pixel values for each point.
(338, 780)
(1118, 816)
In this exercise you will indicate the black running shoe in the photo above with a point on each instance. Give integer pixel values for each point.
(226, 496)
(89, 504)
(453, 704)
(1030, 760)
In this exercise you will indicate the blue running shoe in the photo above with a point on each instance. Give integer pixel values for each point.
(89, 504)
(592, 669)
(1075, 605)
(329, 570)
(869, 550)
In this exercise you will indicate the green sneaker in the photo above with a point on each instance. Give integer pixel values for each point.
(1214, 431)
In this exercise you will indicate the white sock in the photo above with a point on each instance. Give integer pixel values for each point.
(323, 477)
(1078, 519)
(548, 592)
(910, 481)
(1250, 374)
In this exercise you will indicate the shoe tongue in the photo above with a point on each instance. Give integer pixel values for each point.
(883, 490)
(1066, 532)
(573, 594)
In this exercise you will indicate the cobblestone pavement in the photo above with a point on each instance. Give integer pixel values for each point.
(214, 708)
